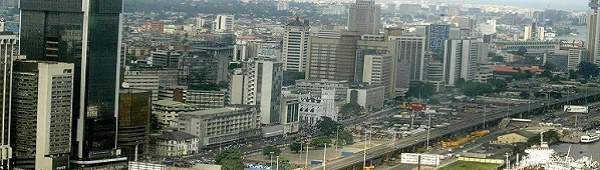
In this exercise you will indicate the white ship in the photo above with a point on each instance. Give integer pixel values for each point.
(542, 157)
(590, 138)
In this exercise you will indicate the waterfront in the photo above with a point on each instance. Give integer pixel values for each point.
(580, 150)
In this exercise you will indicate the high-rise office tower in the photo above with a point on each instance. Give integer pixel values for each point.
(461, 60)
(87, 34)
(378, 70)
(364, 17)
(42, 106)
(259, 83)
(436, 35)
(8, 50)
(332, 57)
(411, 51)
(594, 34)
(224, 23)
(295, 45)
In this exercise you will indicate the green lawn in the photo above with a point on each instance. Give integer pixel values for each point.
(463, 165)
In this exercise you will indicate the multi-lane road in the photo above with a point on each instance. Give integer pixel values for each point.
(467, 123)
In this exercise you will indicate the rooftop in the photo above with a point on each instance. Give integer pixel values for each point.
(170, 103)
(216, 110)
(175, 135)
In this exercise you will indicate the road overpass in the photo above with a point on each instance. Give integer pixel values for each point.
(356, 161)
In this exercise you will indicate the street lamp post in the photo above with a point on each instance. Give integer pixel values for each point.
(428, 130)
(277, 163)
(271, 159)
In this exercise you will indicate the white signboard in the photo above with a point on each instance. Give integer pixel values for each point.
(575, 109)
(426, 159)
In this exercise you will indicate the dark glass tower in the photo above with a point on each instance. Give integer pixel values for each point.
(86, 33)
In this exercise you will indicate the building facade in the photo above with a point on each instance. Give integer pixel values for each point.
(224, 23)
(332, 57)
(295, 45)
(8, 52)
(42, 111)
(364, 17)
(92, 30)
(369, 97)
(221, 125)
(461, 60)
(312, 109)
(135, 109)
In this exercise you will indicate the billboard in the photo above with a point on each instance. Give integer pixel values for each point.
(426, 159)
(575, 109)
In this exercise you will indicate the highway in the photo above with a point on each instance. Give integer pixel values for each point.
(439, 132)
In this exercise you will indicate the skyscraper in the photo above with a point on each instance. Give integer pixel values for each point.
(461, 60)
(332, 57)
(87, 34)
(364, 17)
(436, 35)
(295, 45)
(42, 108)
(594, 34)
(411, 50)
(8, 47)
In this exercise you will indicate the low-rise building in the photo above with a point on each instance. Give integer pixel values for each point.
(312, 109)
(515, 137)
(369, 97)
(205, 99)
(167, 111)
(316, 86)
(222, 125)
(175, 144)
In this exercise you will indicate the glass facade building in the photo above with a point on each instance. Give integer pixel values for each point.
(87, 34)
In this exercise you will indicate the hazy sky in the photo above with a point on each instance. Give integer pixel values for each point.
(538, 4)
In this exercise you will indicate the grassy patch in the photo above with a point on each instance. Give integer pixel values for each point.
(463, 165)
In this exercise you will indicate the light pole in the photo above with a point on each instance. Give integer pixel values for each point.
(428, 130)
(271, 159)
(306, 160)
(337, 129)
(277, 163)
(324, 156)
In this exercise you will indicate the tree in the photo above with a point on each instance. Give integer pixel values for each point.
(522, 51)
(550, 66)
(572, 74)
(284, 164)
(421, 89)
(320, 141)
(351, 108)
(588, 70)
(551, 137)
(295, 147)
(328, 127)
(546, 74)
(499, 85)
(230, 159)
(271, 150)
(154, 125)
(345, 138)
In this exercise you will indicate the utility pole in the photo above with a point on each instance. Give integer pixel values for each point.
(337, 129)
(365, 151)
(306, 161)
(324, 156)
(277, 163)
(428, 130)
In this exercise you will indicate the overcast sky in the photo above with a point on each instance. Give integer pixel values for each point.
(538, 4)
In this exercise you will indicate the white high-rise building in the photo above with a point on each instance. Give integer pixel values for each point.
(295, 45)
(378, 70)
(8, 50)
(42, 114)
(461, 60)
(259, 83)
(224, 23)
